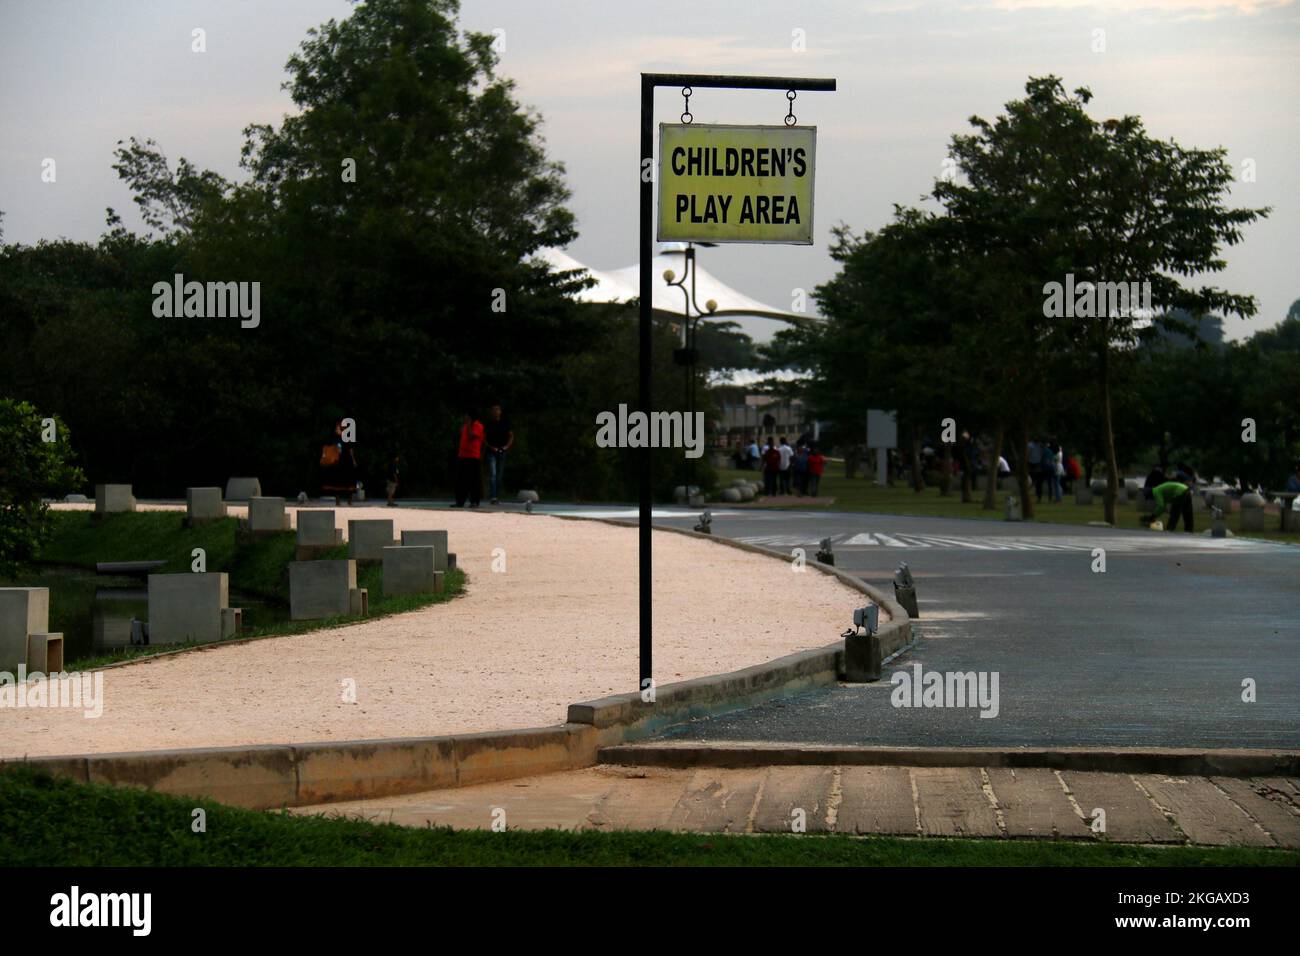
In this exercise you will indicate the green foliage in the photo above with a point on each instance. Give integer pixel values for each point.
(31, 469)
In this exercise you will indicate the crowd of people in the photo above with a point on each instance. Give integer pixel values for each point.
(786, 470)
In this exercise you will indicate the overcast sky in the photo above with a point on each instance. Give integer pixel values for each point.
(78, 75)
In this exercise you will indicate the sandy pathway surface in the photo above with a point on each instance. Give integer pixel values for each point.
(558, 626)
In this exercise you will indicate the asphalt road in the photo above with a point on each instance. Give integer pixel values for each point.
(1153, 651)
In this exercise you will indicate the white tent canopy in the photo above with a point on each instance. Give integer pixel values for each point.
(756, 319)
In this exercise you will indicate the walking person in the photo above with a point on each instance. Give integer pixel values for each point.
(469, 465)
(393, 478)
(339, 466)
(499, 437)
(799, 467)
(1035, 458)
(783, 471)
(771, 466)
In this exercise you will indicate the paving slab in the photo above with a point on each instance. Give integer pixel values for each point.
(638, 800)
(952, 803)
(717, 801)
(1034, 804)
(1204, 812)
(787, 789)
(1131, 817)
(876, 800)
(1270, 802)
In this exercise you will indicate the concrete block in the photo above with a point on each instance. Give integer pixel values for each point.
(44, 653)
(243, 489)
(359, 601)
(76, 499)
(321, 589)
(316, 529)
(232, 621)
(526, 496)
(23, 611)
(367, 538)
(731, 495)
(204, 504)
(1082, 494)
(1222, 502)
(1290, 519)
(409, 570)
(434, 539)
(267, 514)
(187, 606)
(1252, 512)
(112, 499)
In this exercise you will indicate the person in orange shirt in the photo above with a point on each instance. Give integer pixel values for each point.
(469, 462)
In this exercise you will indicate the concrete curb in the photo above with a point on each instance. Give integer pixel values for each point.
(864, 658)
(284, 775)
(1165, 760)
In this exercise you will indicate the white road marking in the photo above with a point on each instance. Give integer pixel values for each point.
(1155, 542)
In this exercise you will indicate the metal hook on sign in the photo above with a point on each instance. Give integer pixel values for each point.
(790, 119)
(686, 110)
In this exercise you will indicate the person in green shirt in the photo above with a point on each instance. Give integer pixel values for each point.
(1178, 497)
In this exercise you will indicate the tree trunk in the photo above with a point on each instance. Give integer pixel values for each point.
(1022, 473)
(1108, 431)
(918, 481)
(963, 449)
(991, 479)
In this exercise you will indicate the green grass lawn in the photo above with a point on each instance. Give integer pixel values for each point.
(258, 569)
(861, 494)
(48, 822)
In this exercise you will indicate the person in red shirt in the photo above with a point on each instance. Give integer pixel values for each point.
(816, 465)
(469, 462)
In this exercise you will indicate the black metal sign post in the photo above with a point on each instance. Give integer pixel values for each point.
(649, 82)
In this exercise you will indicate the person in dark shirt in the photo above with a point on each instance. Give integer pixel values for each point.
(498, 438)
(394, 478)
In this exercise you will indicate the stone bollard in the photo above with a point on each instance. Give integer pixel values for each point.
(204, 504)
(23, 612)
(430, 539)
(905, 590)
(1082, 493)
(826, 554)
(112, 499)
(189, 607)
(367, 538)
(267, 515)
(1011, 509)
(731, 495)
(1252, 512)
(1219, 528)
(242, 489)
(527, 497)
(409, 569)
(321, 589)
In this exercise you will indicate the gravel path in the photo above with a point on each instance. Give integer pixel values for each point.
(560, 625)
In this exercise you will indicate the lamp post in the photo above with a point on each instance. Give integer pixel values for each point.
(687, 355)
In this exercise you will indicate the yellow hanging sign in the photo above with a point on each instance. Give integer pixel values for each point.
(736, 183)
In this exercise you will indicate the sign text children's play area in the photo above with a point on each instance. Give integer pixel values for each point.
(736, 183)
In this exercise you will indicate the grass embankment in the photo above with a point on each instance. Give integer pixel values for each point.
(48, 822)
(257, 567)
(861, 494)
